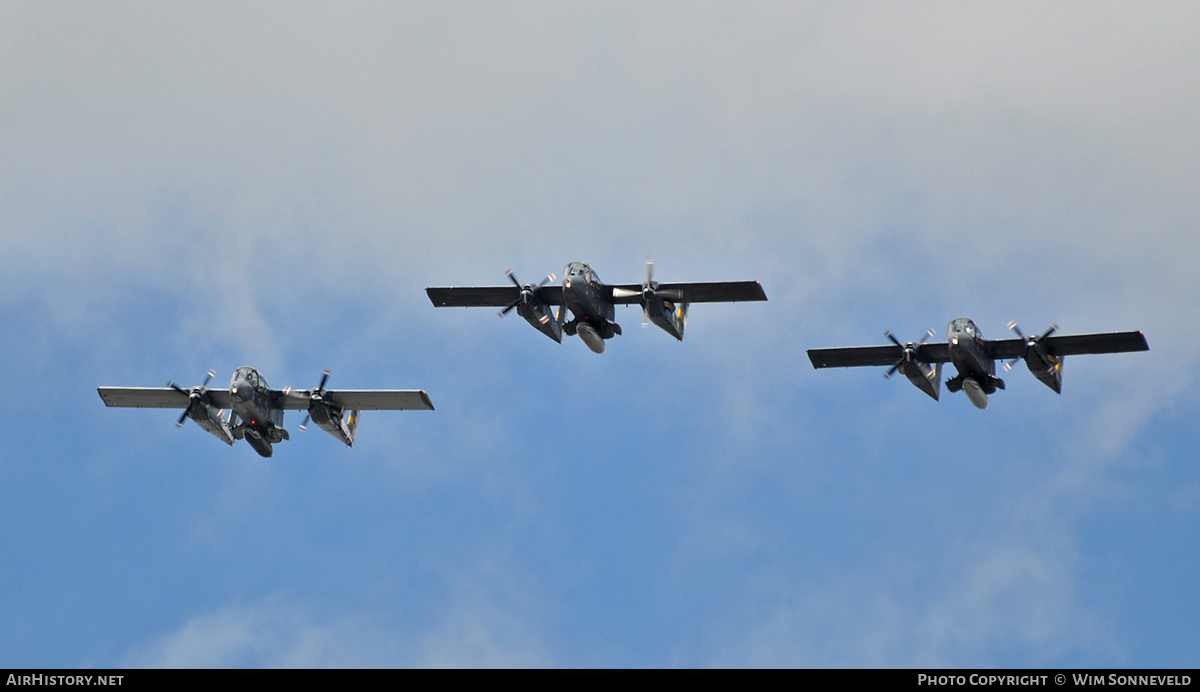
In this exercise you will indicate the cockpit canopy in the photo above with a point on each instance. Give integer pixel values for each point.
(576, 270)
(963, 325)
(249, 375)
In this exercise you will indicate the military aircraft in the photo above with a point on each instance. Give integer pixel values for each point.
(592, 302)
(975, 357)
(256, 410)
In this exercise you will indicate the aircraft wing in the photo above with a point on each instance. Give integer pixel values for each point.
(157, 397)
(359, 399)
(703, 292)
(854, 356)
(1074, 344)
(487, 296)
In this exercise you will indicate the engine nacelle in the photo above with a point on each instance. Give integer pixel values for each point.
(540, 315)
(667, 315)
(927, 379)
(335, 421)
(208, 417)
(1047, 368)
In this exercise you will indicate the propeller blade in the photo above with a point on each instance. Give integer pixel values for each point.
(508, 309)
(317, 395)
(1029, 340)
(647, 292)
(523, 288)
(908, 350)
(648, 288)
(194, 392)
(1008, 365)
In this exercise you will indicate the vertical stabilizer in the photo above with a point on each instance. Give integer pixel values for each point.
(352, 426)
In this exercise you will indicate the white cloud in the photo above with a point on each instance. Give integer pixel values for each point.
(258, 169)
(283, 632)
(273, 633)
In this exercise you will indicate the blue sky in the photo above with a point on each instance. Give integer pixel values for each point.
(189, 188)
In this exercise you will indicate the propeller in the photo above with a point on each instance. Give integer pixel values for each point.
(195, 393)
(1030, 341)
(317, 394)
(910, 349)
(527, 290)
(649, 291)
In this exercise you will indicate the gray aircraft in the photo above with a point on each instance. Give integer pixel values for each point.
(592, 302)
(256, 410)
(975, 357)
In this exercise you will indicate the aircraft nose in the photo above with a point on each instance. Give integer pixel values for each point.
(240, 390)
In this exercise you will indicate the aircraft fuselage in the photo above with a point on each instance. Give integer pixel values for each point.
(976, 369)
(586, 296)
(261, 422)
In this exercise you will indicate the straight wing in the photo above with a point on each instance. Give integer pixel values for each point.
(487, 296)
(380, 399)
(157, 397)
(1073, 345)
(358, 399)
(703, 292)
(1111, 342)
(854, 356)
